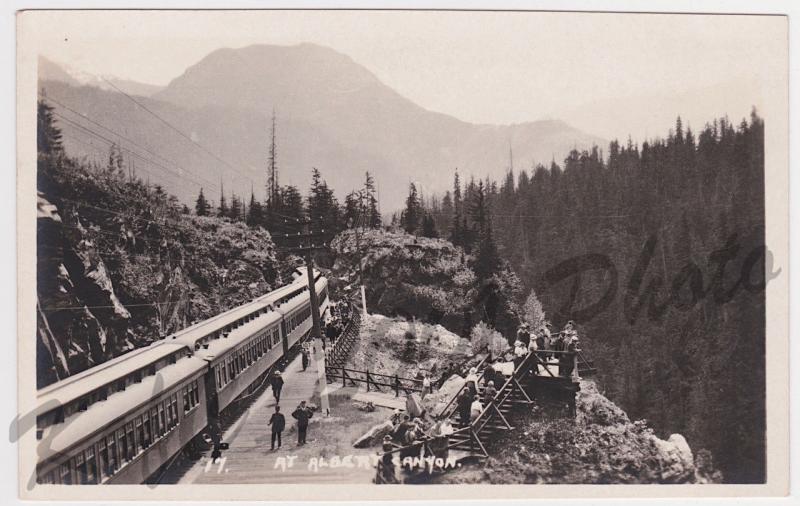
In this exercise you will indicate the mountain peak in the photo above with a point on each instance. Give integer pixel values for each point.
(49, 70)
(332, 113)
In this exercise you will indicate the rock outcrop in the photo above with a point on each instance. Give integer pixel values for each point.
(601, 445)
(119, 265)
(374, 435)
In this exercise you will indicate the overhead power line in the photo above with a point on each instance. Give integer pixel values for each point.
(178, 131)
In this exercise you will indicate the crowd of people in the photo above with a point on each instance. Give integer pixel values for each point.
(479, 393)
(337, 320)
(406, 431)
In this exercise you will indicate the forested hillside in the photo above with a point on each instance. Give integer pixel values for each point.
(657, 252)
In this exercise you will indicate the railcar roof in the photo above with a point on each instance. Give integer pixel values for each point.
(78, 385)
(60, 437)
(75, 386)
(221, 346)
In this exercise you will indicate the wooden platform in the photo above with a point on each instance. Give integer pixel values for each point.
(249, 458)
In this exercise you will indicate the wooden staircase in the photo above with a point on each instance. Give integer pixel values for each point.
(339, 353)
(473, 439)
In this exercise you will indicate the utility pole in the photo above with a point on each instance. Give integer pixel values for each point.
(306, 249)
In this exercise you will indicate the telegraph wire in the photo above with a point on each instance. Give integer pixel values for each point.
(178, 176)
(177, 130)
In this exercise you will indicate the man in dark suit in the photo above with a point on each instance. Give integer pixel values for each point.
(277, 385)
(278, 423)
(302, 414)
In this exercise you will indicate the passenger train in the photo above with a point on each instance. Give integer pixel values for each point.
(121, 421)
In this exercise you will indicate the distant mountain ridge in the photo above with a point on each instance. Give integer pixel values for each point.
(51, 71)
(332, 113)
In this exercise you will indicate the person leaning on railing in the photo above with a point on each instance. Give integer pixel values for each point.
(386, 471)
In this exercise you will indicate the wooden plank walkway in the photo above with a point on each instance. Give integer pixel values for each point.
(249, 458)
(381, 399)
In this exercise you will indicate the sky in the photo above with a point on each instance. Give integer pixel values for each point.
(609, 74)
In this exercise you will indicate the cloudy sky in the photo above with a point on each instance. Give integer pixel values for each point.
(609, 74)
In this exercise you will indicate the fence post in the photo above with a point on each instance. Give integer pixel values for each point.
(367, 381)
(575, 375)
(344, 383)
(396, 386)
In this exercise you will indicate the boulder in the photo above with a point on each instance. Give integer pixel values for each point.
(374, 435)
(434, 403)
(414, 405)
(593, 408)
(675, 459)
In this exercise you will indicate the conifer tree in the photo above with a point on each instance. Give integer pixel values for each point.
(429, 226)
(456, 230)
(202, 207)
(48, 135)
(254, 212)
(351, 210)
(412, 215)
(222, 209)
(235, 212)
(373, 215)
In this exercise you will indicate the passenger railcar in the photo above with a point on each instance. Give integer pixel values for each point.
(124, 419)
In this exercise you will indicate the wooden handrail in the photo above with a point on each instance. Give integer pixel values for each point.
(474, 428)
(444, 411)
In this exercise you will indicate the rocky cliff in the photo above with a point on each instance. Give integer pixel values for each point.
(121, 264)
(601, 445)
(429, 280)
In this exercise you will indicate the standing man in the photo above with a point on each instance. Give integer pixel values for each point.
(426, 385)
(523, 334)
(277, 384)
(278, 422)
(489, 392)
(302, 414)
(304, 356)
(464, 404)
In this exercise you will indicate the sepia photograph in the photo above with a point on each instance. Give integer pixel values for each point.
(341, 254)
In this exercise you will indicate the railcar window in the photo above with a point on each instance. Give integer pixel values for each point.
(122, 445)
(130, 447)
(49, 478)
(162, 419)
(111, 461)
(80, 468)
(154, 423)
(91, 465)
(191, 396)
(139, 432)
(144, 435)
(174, 407)
(102, 458)
(66, 473)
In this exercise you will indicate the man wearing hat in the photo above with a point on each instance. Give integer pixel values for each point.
(523, 333)
(386, 472)
(302, 414)
(277, 385)
(278, 422)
